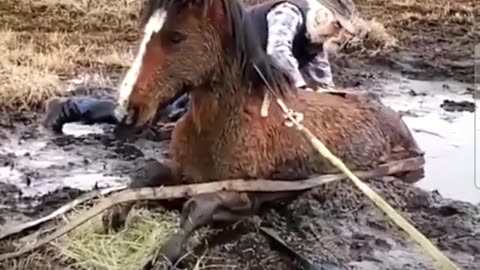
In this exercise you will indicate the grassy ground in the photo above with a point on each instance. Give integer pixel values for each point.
(44, 43)
(91, 248)
(448, 25)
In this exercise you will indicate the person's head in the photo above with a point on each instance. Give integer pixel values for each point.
(330, 19)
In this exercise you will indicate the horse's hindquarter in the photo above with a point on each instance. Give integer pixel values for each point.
(348, 129)
(357, 128)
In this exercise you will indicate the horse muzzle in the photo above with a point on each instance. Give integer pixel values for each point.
(127, 126)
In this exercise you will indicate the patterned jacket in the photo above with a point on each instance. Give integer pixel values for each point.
(284, 21)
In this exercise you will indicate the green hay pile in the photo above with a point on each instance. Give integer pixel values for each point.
(90, 248)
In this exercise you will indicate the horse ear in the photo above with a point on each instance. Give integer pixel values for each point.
(216, 12)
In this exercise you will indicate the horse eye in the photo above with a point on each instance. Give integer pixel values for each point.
(176, 37)
(337, 25)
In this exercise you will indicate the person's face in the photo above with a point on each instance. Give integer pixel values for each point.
(325, 26)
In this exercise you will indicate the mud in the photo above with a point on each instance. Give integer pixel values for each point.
(452, 106)
(429, 79)
(338, 228)
(34, 162)
(335, 227)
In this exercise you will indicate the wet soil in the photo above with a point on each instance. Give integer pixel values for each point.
(452, 105)
(336, 227)
(429, 78)
(436, 38)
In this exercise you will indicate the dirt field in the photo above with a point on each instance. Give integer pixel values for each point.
(422, 57)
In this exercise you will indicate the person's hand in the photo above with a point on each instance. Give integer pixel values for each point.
(323, 87)
(306, 88)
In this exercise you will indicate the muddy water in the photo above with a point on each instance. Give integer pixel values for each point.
(38, 162)
(447, 137)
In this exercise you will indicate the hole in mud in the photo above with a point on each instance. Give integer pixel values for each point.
(447, 211)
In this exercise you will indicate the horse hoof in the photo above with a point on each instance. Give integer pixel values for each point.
(172, 250)
(159, 265)
(114, 219)
(169, 254)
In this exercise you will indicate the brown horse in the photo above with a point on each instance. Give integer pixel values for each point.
(210, 49)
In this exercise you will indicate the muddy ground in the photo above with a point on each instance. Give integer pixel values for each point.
(335, 227)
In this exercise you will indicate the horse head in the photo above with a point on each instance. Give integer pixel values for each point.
(186, 44)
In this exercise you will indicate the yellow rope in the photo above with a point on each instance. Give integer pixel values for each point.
(443, 261)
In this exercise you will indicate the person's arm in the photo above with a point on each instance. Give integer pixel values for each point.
(284, 21)
(319, 70)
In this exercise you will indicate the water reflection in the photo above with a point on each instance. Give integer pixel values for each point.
(448, 138)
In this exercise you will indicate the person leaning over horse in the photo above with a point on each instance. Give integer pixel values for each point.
(293, 32)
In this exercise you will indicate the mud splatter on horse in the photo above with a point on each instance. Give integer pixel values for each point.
(209, 49)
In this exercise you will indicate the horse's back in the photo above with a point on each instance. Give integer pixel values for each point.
(363, 112)
(358, 128)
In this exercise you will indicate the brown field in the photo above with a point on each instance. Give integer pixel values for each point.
(45, 43)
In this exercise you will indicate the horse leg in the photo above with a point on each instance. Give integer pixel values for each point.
(411, 177)
(200, 210)
(153, 174)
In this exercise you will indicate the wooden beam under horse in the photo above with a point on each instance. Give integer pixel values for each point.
(210, 49)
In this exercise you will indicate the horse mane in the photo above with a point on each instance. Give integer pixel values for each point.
(246, 47)
(249, 51)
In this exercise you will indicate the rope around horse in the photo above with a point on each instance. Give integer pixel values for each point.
(295, 119)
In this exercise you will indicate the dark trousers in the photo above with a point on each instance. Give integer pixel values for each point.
(93, 110)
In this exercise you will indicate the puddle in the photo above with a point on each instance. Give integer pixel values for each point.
(79, 130)
(448, 138)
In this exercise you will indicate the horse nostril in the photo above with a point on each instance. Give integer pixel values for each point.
(131, 117)
(120, 114)
(125, 128)
(126, 118)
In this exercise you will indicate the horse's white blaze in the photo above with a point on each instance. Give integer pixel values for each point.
(154, 25)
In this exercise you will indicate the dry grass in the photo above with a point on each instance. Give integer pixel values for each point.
(23, 78)
(31, 72)
(139, 243)
(44, 44)
(373, 38)
(89, 247)
(70, 38)
(409, 19)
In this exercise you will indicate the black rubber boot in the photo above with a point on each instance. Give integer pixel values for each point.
(60, 110)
